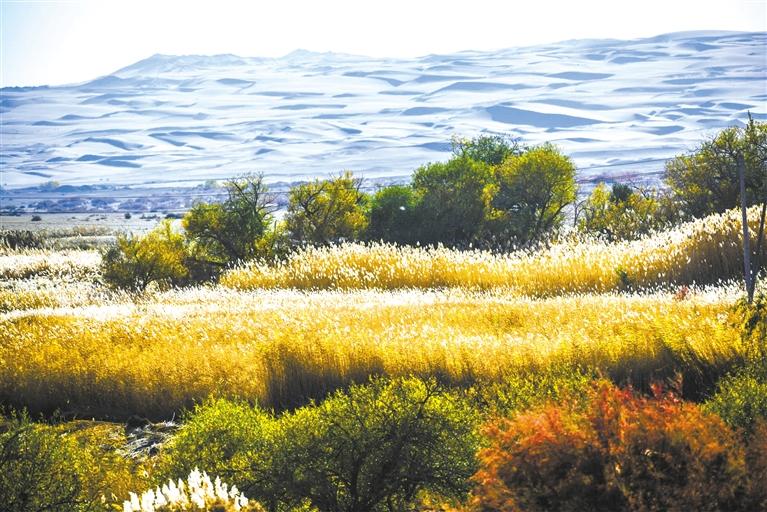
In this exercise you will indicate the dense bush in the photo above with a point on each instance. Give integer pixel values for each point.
(706, 180)
(157, 257)
(518, 391)
(42, 470)
(451, 208)
(622, 452)
(394, 215)
(623, 213)
(326, 211)
(378, 446)
(741, 399)
(229, 231)
(490, 149)
(529, 194)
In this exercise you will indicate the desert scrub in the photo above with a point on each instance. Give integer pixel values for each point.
(377, 447)
(621, 452)
(701, 251)
(741, 399)
(283, 348)
(60, 467)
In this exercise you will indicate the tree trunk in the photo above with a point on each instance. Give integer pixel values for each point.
(747, 271)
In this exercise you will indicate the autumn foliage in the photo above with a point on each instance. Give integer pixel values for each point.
(620, 451)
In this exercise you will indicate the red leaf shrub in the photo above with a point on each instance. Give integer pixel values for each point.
(619, 452)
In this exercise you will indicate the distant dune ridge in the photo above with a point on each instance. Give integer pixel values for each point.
(605, 102)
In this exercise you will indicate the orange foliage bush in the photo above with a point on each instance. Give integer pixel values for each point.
(619, 452)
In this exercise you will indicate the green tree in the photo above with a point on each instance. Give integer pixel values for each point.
(622, 213)
(451, 208)
(394, 215)
(530, 192)
(490, 149)
(228, 232)
(706, 180)
(157, 257)
(327, 211)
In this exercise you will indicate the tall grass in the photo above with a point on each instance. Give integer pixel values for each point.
(282, 348)
(29, 263)
(698, 252)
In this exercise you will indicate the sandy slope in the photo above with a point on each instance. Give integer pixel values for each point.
(199, 117)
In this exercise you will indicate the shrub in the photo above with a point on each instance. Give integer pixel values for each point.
(518, 392)
(136, 262)
(394, 215)
(622, 452)
(623, 213)
(490, 149)
(326, 211)
(42, 470)
(376, 447)
(379, 446)
(741, 400)
(228, 232)
(229, 439)
(451, 208)
(706, 180)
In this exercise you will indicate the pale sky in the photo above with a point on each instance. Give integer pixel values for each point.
(66, 41)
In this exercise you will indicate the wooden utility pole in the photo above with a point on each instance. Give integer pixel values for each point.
(747, 270)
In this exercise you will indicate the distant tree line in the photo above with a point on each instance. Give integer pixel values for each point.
(493, 193)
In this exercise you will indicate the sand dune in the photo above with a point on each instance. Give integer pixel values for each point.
(625, 104)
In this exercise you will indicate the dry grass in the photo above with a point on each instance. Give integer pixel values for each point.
(281, 348)
(33, 263)
(701, 251)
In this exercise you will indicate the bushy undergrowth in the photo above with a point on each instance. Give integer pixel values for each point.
(380, 446)
(51, 468)
(621, 452)
(741, 399)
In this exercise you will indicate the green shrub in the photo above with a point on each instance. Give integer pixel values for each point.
(516, 393)
(43, 470)
(136, 262)
(379, 446)
(741, 400)
(706, 180)
(490, 149)
(327, 211)
(451, 208)
(623, 213)
(228, 232)
(228, 439)
(394, 215)
(529, 192)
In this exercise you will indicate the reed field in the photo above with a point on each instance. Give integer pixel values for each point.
(702, 251)
(280, 348)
